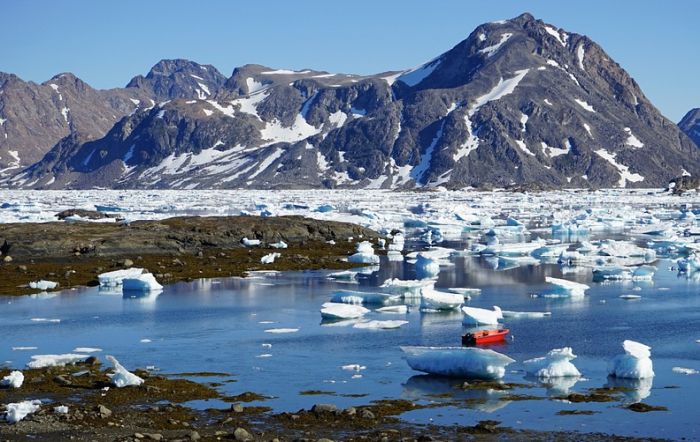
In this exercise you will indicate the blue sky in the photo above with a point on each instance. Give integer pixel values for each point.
(107, 42)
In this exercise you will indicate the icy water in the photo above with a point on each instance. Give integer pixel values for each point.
(220, 326)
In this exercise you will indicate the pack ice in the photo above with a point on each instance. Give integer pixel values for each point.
(465, 362)
(635, 363)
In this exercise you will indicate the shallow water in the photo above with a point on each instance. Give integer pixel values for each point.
(219, 326)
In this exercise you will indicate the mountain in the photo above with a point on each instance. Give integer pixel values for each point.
(170, 79)
(518, 103)
(690, 125)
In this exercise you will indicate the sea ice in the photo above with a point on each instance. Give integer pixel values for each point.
(466, 362)
(434, 300)
(474, 315)
(115, 278)
(121, 376)
(41, 361)
(143, 283)
(396, 309)
(380, 325)
(43, 285)
(19, 410)
(13, 380)
(557, 363)
(338, 310)
(635, 363)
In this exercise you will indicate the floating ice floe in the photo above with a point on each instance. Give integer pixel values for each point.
(115, 278)
(41, 361)
(635, 363)
(353, 367)
(345, 275)
(557, 363)
(279, 245)
(533, 315)
(145, 282)
(339, 310)
(270, 258)
(613, 273)
(513, 249)
(408, 288)
(374, 298)
(12, 380)
(250, 242)
(380, 325)
(19, 410)
(426, 267)
(87, 350)
(364, 254)
(466, 292)
(684, 370)
(281, 330)
(396, 309)
(121, 376)
(689, 264)
(480, 316)
(43, 285)
(568, 288)
(630, 296)
(433, 300)
(466, 362)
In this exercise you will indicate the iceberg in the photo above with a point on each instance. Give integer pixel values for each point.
(358, 298)
(115, 278)
(43, 285)
(42, 361)
(270, 258)
(426, 267)
(145, 282)
(480, 316)
(337, 310)
(12, 380)
(569, 288)
(465, 362)
(121, 376)
(19, 410)
(557, 363)
(433, 300)
(380, 325)
(635, 363)
(365, 254)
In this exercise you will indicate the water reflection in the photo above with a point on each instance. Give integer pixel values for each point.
(427, 386)
(555, 387)
(634, 390)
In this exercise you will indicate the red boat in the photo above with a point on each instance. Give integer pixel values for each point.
(485, 337)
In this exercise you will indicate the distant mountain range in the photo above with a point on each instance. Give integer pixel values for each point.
(518, 103)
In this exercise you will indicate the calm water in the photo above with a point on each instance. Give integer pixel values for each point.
(219, 325)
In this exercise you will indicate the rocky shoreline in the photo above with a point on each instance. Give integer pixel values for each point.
(173, 249)
(157, 410)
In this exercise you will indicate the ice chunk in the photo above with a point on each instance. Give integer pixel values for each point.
(556, 364)
(397, 243)
(345, 275)
(121, 376)
(606, 273)
(380, 325)
(19, 410)
(365, 254)
(569, 288)
(43, 285)
(354, 297)
(250, 242)
(87, 350)
(281, 330)
(407, 288)
(145, 282)
(466, 362)
(337, 310)
(397, 309)
(512, 314)
(635, 363)
(513, 249)
(115, 278)
(434, 300)
(270, 258)
(41, 361)
(279, 245)
(61, 409)
(13, 380)
(683, 370)
(426, 267)
(480, 316)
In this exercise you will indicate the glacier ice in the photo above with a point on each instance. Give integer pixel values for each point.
(466, 362)
(635, 363)
(557, 363)
(121, 376)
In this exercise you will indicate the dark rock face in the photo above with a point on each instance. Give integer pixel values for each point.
(690, 125)
(518, 104)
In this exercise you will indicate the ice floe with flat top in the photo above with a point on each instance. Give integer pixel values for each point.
(481, 316)
(567, 288)
(407, 288)
(557, 363)
(635, 363)
(43, 285)
(380, 325)
(393, 309)
(465, 362)
(338, 310)
(116, 277)
(121, 376)
(433, 300)
(42, 361)
(358, 298)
